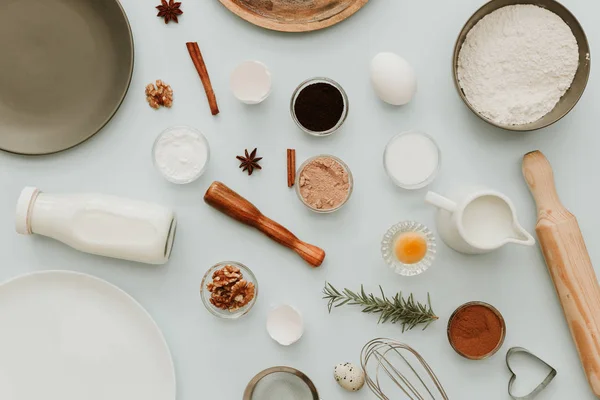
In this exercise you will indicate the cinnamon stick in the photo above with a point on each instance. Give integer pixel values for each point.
(291, 167)
(198, 60)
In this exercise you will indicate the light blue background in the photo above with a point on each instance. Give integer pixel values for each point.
(216, 359)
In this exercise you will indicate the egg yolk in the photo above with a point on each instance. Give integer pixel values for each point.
(411, 248)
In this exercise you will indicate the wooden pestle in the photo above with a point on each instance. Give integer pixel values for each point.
(230, 203)
(569, 264)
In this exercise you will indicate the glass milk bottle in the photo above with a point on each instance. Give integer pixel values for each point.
(99, 224)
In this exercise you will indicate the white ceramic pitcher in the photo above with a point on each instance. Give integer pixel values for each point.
(478, 221)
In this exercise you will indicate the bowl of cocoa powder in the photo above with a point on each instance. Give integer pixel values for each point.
(476, 330)
(319, 106)
(324, 183)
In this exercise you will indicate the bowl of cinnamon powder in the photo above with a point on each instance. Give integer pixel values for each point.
(324, 183)
(476, 330)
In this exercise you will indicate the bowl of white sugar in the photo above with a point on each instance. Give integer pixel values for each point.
(521, 65)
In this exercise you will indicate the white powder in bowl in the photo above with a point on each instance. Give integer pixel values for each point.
(411, 160)
(516, 63)
(181, 154)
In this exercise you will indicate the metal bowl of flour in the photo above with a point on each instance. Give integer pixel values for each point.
(573, 94)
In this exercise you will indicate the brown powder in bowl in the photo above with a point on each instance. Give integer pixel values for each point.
(476, 330)
(324, 183)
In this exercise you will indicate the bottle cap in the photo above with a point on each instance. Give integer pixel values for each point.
(24, 207)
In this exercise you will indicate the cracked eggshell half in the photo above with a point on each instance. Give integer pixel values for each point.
(285, 325)
(250, 82)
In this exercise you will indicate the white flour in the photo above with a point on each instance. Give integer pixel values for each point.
(516, 64)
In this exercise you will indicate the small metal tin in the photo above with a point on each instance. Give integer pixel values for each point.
(573, 94)
(261, 375)
(489, 307)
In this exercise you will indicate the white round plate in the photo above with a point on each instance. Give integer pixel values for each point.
(71, 336)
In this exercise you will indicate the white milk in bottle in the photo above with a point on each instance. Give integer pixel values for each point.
(99, 224)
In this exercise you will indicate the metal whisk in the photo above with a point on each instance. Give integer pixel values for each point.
(405, 369)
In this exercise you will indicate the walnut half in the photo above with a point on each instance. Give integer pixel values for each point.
(159, 95)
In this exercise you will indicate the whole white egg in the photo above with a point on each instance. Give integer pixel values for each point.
(393, 78)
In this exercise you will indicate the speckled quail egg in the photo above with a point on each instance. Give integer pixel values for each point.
(393, 79)
(349, 376)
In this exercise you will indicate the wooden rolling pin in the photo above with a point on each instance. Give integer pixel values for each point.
(229, 202)
(569, 264)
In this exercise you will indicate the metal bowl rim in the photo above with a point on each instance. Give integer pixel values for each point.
(261, 375)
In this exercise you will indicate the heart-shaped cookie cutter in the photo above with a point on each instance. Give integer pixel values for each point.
(540, 387)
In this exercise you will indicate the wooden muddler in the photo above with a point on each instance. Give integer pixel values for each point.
(569, 264)
(230, 203)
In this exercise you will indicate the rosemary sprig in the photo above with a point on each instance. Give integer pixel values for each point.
(396, 309)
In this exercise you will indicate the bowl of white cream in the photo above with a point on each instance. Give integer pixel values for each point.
(181, 154)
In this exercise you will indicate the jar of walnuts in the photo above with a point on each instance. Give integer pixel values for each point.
(229, 290)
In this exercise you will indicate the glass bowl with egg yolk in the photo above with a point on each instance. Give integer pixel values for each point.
(409, 248)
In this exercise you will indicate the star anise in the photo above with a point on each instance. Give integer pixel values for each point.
(249, 162)
(169, 11)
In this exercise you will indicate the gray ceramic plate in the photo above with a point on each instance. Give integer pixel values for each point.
(65, 68)
(571, 97)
